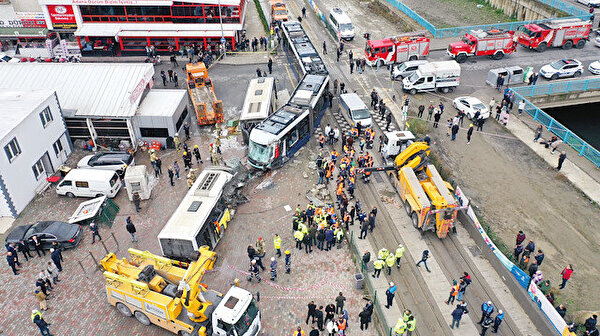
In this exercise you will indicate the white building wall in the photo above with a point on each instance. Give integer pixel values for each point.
(34, 140)
(4, 209)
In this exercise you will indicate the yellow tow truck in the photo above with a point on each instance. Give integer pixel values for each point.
(202, 94)
(169, 293)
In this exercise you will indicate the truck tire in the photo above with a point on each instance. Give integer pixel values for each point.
(542, 47)
(461, 58)
(568, 45)
(184, 333)
(412, 91)
(415, 220)
(142, 318)
(498, 55)
(580, 44)
(380, 63)
(444, 90)
(69, 195)
(408, 208)
(123, 309)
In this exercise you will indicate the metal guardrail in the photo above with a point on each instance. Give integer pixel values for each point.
(573, 11)
(567, 136)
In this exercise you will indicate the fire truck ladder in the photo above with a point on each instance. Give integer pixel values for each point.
(408, 36)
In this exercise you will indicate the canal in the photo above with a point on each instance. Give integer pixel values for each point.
(583, 120)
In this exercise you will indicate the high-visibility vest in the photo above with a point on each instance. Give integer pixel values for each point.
(390, 260)
(400, 252)
(340, 234)
(302, 227)
(454, 290)
(298, 235)
(383, 254)
(411, 325)
(341, 326)
(405, 316)
(378, 264)
(400, 327)
(277, 242)
(36, 313)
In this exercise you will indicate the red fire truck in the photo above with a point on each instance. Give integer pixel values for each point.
(565, 33)
(407, 47)
(494, 43)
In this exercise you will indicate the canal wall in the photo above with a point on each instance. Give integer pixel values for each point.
(526, 10)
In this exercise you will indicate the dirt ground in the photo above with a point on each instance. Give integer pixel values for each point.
(455, 13)
(513, 189)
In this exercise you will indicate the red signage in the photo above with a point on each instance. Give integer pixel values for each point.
(62, 16)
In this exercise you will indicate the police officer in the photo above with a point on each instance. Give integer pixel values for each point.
(378, 265)
(277, 245)
(390, 261)
(288, 262)
(383, 253)
(399, 253)
(400, 327)
(411, 325)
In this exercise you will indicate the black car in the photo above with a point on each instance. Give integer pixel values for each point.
(67, 235)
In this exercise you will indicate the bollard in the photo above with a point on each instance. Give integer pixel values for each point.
(257, 296)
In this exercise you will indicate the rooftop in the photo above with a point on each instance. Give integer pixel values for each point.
(161, 102)
(89, 89)
(18, 105)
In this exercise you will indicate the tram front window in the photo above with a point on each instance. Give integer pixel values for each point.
(258, 152)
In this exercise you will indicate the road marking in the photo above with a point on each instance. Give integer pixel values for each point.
(287, 68)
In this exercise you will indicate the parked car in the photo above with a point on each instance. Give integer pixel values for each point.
(405, 69)
(597, 41)
(470, 105)
(83, 182)
(590, 3)
(116, 161)
(594, 67)
(563, 68)
(4, 58)
(67, 235)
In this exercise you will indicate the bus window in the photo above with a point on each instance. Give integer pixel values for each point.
(303, 128)
(292, 138)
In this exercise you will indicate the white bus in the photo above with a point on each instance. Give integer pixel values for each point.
(200, 219)
(260, 102)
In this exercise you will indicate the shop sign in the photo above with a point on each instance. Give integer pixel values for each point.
(62, 16)
(24, 20)
(121, 2)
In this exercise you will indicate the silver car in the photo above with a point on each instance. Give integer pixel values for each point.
(406, 69)
(116, 161)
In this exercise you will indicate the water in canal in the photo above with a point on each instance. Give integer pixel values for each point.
(583, 120)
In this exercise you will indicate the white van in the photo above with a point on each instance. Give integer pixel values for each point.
(356, 109)
(89, 183)
(341, 24)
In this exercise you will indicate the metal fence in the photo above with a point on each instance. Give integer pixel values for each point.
(583, 148)
(571, 10)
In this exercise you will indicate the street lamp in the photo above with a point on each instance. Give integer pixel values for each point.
(223, 45)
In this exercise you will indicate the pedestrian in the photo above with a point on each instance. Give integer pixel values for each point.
(171, 175)
(55, 256)
(538, 133)
(53, 271)
(561, 159)
(177, 170)
(95, 233)
(530, 247)
(273, 269)
(591, 322)
(37, 245)
(453, 292)
(539, 257)
(270, 65)
(339, 303)
(390, 261)
(350, 56)
(186, 130)
(329, 312)
(521, 107)
(457, 316)
(312, 307)
(12, 262)
(170, 72)
(303, 12)
(398, 254)
(400, 327)
(389, 294)
(388, 121)
(469, 133)
(372, 221)
(364, 227)
(421, 110)
(41, 284)
(338, 54)
(499, 82)
(46, 277)
(486, 311)
(36, 317)
(41, 297)
(411, 325)
(277, 245)
(314, 331)
(176, 80)
(288, 262)
(462, 287)
(533, 268)
(341, 325)
(455, 129)
(136, 202)
(378, 266)
(520, 237)
(319, 317)
(485, 325)
(364, 318)
(324, 48)
(436, 118)
(423, 260)
(258, 72)
(430, 110)
(366, 257)
(351, 67)
(566, 275)
(131, 229)
(498, 320)
(254, 271)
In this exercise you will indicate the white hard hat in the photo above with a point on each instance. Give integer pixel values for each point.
(176, 134)
(272, 258)
(400, 245)
(391, 284)
(253, 262)
(499, 311)
(489, 302)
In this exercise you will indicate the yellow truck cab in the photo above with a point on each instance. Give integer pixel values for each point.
(279, 10)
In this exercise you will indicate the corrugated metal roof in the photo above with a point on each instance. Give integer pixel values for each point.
(91, 89)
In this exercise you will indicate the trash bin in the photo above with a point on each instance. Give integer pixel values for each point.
(360, 279)
(493, 74)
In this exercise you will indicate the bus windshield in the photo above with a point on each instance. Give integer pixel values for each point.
(244, 323)
(361, 114)
(258, 152)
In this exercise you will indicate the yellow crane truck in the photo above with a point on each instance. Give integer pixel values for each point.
(426, 196)
(202, 94)
(169, 293)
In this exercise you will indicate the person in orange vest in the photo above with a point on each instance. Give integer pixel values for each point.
(321, 140)
(453, 293)
(299, 332)
(334, 156)
(340, 191)
(341, 326)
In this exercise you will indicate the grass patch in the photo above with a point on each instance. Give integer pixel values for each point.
(500, 244)
(379, 9)
(261, 14)
(418, 127)
(485, 15)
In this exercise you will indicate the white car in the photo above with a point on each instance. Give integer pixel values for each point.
(470, 106)
(597, 41)
(405, 69)
(595, 68)
(563, 68)
(590, 3)
(4, 58)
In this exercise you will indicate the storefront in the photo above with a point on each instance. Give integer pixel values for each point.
(133, 25)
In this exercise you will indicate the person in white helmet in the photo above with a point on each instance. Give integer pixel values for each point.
(390, 293)
(498, 320)
(399, 253)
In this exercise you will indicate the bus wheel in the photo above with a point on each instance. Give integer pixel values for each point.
(415, 220)
(142, 318)
(123, 309)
